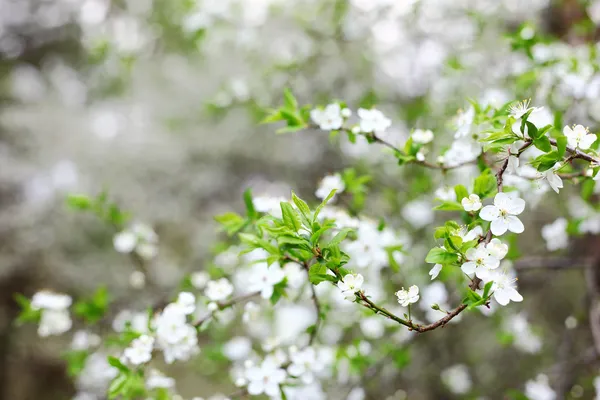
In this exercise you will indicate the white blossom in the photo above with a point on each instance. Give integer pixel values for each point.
(519, 109)
(264, 277)
(480, 262)
(579, 137)
(497, 249)
(373, 120)
(503, 214)
(139, 351)
(406, 297)
(139, 238)
(304, 363)
(218, 290)
(329, 118)
(555, 235)
(539, 389)
(504, 288)
(265, 378)
(471, 203)
(350, 284)
(422, 136)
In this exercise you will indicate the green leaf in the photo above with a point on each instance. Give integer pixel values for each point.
(290, 217)
(486, 289)
(79, 202)
(75, 361)
(231, 222)
(117, 385)
(339, 237)
(115, 362)
(278, 291)
(27, 314)
(94, 308)
(485, 184)
(250, 210)
(303, 208)
(255, 242)
(561, 145)
(323, 204)
(532, 130)
(314, 238)
(449, 206)
(294, 241)
(543, 143)
(461, 192)
(438, 255)
(545, 161)
(289, 101)
(318, 274)
(273, 116)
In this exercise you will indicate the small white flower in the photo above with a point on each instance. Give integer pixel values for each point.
(539, 389)
(497, 249)
(187, 302)
(48, 300)
(263, 277)
(346, 112)
(329, 183)
(351, 284)
(471, 203)
(157, 380)
(54, 322)
(422, 136)
(473, 234)
(554, 180)
(265, 378)
(480, 262)
(503, 214)
(373, 121)
(579, 136)
(406, 297)
(139, 351)
(330, 118)
(555, 235)
(435, 271)
(504, 288)
(218, 290)
(521, 108)
(199, 279)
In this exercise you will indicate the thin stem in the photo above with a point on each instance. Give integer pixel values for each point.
(226, 304)
(315, 299)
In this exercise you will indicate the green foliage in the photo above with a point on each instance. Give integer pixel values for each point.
(27, 314)
(75, 361)
(93, 309)
(485, 184)
(107, 211)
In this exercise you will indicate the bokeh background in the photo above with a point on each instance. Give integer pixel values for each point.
(158, 102)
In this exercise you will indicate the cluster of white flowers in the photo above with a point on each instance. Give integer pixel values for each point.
(54, 307)
(265, 378)
(264, 277)
(555, 235)
(370, 249)
(139, 238)
(174, 335)
(139, 351)
(331, 117)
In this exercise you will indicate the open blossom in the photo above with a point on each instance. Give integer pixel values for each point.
(519, 109)
(555, 235)
(579, 136)
(265, 378)
(187, 302)
(329, 183)
(406, 297)
(504, 288)
(539, 389)
(330, 118)
(139, 238)
(263, 277)
(174, 335)
(497, 249)
(471, 203)
(480, 262)
(422, 136)
(218, 290)
(55, 318)
(351, 284)
(304, 363)
(503, 214)
(467, 235)
(373, 120)
(139, 351)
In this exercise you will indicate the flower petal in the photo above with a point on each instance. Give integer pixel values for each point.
(499, 226)
(514, 224)
(469, 267)
(489, 213)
